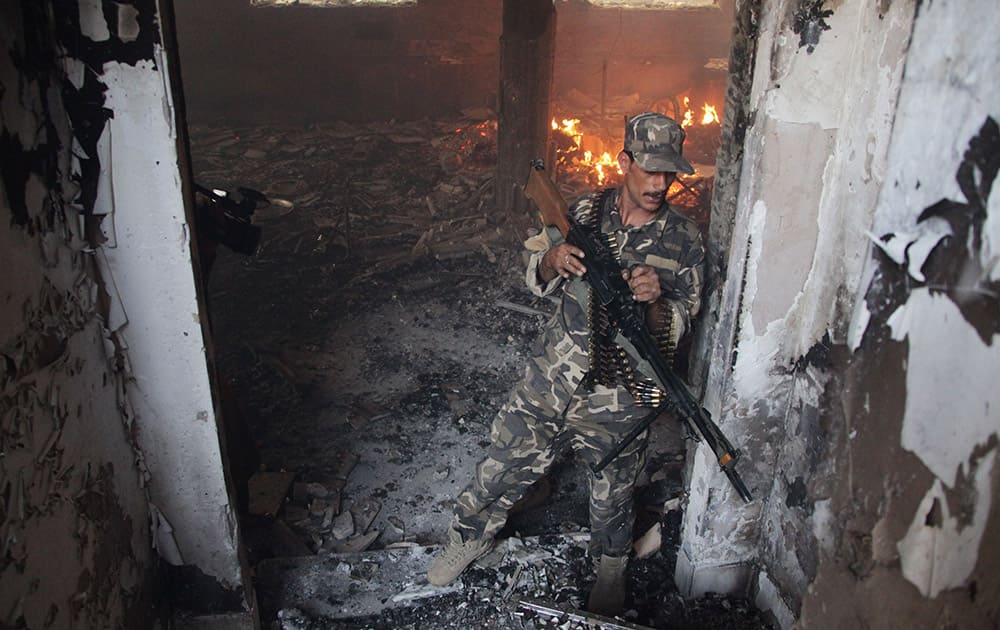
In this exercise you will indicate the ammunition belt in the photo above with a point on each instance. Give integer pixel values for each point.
(609, 362)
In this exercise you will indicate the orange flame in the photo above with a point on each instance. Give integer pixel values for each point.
(600, 169)
(711, 116)
(569, 128)
(600, 166)
(688, 114)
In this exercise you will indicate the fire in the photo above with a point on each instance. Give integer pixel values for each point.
(711, 116)
(569, 128)
(600, 166)
(472, 145)
(583, 154)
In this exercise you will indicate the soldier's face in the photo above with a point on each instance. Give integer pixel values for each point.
(644, 189)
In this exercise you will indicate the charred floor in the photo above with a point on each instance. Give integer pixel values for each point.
(363, 351)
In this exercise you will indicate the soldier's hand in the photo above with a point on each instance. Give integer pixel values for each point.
(644, 282)
(562, 260)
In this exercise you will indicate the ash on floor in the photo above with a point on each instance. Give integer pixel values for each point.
(363, 351)
(535, 583)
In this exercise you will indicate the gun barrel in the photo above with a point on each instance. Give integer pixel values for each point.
(734, 478)
(688, 408)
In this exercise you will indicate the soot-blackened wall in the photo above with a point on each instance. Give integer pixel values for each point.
(76, 549)
(300, 64)
(296, 64)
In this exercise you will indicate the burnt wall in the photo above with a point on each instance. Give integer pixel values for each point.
(862, 300)
(907, 530)
(304, 64)
(860, 389)
(908, 540)
(76, 548)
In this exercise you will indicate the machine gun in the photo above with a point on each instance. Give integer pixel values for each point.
(604, 274)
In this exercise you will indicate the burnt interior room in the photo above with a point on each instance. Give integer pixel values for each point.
(266, 295)
(383, 319)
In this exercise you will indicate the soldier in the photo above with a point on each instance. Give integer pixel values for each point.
(579, 386)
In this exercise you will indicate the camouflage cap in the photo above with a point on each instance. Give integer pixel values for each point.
(656, 142)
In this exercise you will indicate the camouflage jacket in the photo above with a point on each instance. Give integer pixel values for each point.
(670, 243)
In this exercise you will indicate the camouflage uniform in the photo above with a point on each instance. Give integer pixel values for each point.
(555, 404)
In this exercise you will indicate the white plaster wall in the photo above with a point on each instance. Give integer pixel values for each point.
(147, 259)
(654, 4)
(952, 407)
(150, 263)
(815, 159)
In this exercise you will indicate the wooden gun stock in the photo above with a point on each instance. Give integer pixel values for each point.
(544, 193)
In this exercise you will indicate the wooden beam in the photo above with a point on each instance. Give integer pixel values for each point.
(527, 52)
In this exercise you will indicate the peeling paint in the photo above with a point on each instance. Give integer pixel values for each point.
(149, 282)
(956, 304)
(813, 169)
(938, 552)
(823, 525)
(75, 549)
(911, 249)
(163, 537)
(92, 22)
(953, 402)
(769, 599)
(129, 29)
(989, 256)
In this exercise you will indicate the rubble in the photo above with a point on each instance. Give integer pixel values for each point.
(648, 543)
(343, 526)
(387, 589)
(267, 491)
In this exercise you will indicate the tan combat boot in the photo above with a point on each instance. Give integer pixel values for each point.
(455, 557)
(607, 598)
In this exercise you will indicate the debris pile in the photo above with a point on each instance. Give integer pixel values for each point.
(393, 192)
(537, 582)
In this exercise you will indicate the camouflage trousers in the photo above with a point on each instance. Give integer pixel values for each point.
(530, 430)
